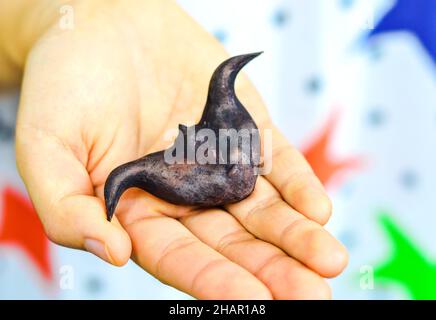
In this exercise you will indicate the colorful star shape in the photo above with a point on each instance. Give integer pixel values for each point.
(407, 263)
(324, 163)
(21, 228)
(415, 16)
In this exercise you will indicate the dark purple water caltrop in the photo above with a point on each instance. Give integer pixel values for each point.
(193, 183)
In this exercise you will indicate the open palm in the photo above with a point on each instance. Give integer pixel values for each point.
(96, 97)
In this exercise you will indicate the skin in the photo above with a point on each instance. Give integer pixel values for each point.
(103, 94)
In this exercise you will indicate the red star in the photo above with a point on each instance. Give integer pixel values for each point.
(326, 166)
(21, 228)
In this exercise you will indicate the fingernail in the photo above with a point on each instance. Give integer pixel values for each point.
(98, 248)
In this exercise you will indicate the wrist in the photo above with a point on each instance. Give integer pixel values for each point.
(22, 23)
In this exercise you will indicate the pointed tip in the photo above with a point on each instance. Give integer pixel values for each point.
(245, 58)
(222, 83)
(109, 208)
(109, 212)
(113, 189)
(258, 53)
(118, 181)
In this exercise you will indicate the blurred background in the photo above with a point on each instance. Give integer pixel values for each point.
(352, 83)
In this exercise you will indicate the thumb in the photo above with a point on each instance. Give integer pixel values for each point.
(63, 195)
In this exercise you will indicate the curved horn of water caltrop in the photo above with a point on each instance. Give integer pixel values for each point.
(214, 183)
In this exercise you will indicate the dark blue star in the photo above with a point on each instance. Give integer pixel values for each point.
(416, 16)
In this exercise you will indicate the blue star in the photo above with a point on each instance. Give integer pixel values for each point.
(416, 16)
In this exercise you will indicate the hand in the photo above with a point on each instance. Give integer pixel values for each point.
(104, 94)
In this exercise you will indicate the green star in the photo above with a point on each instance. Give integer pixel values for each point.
(407, 264)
